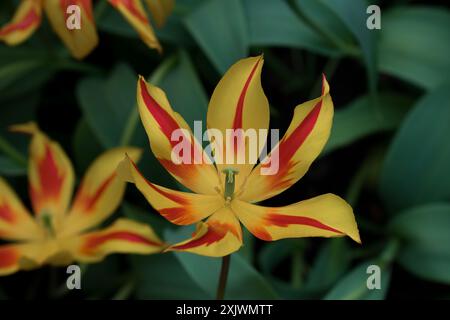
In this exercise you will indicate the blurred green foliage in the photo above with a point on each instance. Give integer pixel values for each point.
(388, 155)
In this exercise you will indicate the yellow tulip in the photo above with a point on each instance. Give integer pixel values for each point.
(60, 231)
(224, 194)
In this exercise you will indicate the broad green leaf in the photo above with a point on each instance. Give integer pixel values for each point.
(162, 276)
(273, 253)
(107, 102)
(220, 29)
(414, 45)
(282, 28)
(353, 15)
(424, 231)
(416, 169)
(244, 282)
(354, 285)
(359, 119)
(331, 262)
(85, 146)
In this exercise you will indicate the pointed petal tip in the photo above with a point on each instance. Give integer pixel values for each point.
(26, 128)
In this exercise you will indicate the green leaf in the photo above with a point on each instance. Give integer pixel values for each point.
(354, 285)
(353, 15)
(220, 29)
(162, 276)
(359, 119)
(331, 263)
(9, 167)
(244, 282)
(416, 169)
(107, 102)
(426, 240)
(85, 146)
(283, 28)
(414, 45)
(273, 253)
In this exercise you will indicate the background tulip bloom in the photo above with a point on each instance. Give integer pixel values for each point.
(59, 233)
(81, 42)
(238, 102)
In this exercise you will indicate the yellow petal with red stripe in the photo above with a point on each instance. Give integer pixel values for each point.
(180, 208)
(124, 236)
(167, 131)
(292, 156)
(219, 236)
(160, 10)
(100, 192)
(25, 21)
(324, 216)
(15, 257)
(15, 221)
(134, 12)
(80, 41)
(50, 175)
(239, 103)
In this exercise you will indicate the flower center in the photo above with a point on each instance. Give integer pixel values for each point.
(229, 183)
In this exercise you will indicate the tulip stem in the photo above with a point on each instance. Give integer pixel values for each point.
(223, 277)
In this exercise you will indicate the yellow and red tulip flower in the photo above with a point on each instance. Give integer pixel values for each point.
(134, 12)
(239, 102)
(61, 230)
(81, 42)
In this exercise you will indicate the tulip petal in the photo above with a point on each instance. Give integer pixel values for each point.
(50, 175)
(180, 208)
(100, 192)
(15, 257)
(134, 12)
(239, 102)
(25, 21)
(324, 216)
(15, 221)
(80, 41)
(161, 124)
(292, 156)
(219, 236)
(124, 236)
(160, 10)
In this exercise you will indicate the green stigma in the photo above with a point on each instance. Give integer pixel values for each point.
(47, 221)
(229, 182)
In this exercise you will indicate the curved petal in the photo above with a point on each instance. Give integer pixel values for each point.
(219, 236)
(50, 175)
(124, 236)
(239, 103)
(160, 10)
(100, 192)
(324, 216)
(15, 221)
(291, 157)
(134, 12)
(162, 124)
(25, 21)
(80, 41)
(180, 208)
(26, 256)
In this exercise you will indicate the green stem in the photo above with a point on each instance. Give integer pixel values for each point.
(12, 153)
(155, 79)
(296, 268)
(223, 277)
(125, 291)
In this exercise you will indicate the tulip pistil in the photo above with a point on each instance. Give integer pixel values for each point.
(229, 182)
(47, 221)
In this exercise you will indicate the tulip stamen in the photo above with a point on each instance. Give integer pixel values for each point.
(47, 222)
